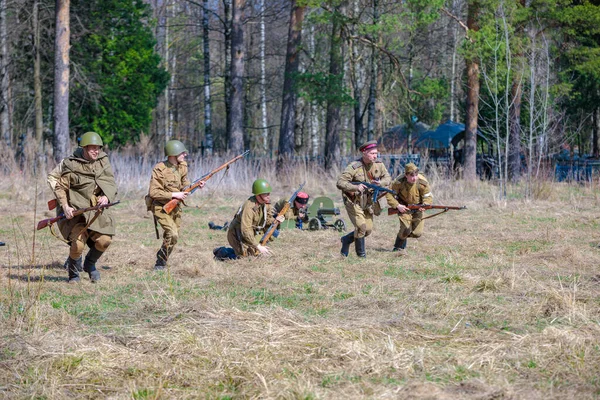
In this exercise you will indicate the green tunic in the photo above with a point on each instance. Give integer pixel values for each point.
(81, 183)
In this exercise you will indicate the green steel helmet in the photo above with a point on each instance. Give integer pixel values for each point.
(90, 138)
(261, 186)
(174, 148)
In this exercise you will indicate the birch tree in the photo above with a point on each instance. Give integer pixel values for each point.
(60, 142)
(236, 116)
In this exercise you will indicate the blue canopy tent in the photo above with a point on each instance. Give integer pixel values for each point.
(441, 137)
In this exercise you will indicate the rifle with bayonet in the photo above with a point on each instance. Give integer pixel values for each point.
(417, 207)
(170, 206)
(49, 221)
(283, 211)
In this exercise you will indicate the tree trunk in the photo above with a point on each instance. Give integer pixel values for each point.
(263, 81)
(514, 140)
(371, 114)
(37, 79)
(288, 104)
(472, 64)
(596, 132)
(314, 109)
(227, 69)
(208, 137)
(236, 116)
(5, 98)
(358, 83)
(60, 141)
(336, 61)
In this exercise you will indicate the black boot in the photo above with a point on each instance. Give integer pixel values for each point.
(359, 243)
(346, 242)
(72, 269)
(400, 244)
(161, 259)
(78, 264)
(89, 265)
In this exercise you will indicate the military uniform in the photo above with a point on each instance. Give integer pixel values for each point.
(80, 185)
(292, 213)
(166, 179)
(252, 219)
(361, 206)
(411, 223)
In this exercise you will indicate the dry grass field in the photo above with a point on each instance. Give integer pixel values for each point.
(500, 301)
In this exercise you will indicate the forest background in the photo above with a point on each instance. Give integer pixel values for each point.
(299, 78)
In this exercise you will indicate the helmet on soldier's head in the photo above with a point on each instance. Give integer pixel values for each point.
(261, 186)
(90, 138)
(174, 148)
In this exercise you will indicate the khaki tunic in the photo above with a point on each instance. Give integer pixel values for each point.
(411, 223)
(166, 179)
(361, 206)
(292, 212)
(252, 219)
(80, 184)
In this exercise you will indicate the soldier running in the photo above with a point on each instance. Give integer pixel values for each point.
(86, 180)
(358, 199)
(412, 188)
(169, 178)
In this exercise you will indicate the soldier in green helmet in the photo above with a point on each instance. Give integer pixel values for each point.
(169, 178)
(253, 218)
(86, 180)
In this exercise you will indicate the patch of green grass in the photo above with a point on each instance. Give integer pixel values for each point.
(462, 373)
(454, 278)
(144, 394)
(318, 268)
(340, 296)
(527, 246)
(67, 364)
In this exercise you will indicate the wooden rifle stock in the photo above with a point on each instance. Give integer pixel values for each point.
(283, 211)
(170, 206)
(416, 207)
(49, 221)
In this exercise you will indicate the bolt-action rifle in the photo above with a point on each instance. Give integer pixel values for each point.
(49, 221)
(417, 207)
(376, 189)
(170, 206)
(284, 209)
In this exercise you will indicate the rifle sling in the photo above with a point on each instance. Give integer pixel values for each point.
(435, 215)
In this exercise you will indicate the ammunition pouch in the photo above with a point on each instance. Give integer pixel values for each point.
(148, 201)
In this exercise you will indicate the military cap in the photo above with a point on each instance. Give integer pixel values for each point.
(371, 144)
(410, 168)
(302, 198)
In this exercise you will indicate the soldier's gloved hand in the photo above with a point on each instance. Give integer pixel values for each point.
(102, 200)
(401, 209)
(179, 195)
(280, 218)
(68, 210)
(264, 250)
(361, 188)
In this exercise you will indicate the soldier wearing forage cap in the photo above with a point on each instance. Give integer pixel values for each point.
(411, 188)
(168, 180)
(358, 199)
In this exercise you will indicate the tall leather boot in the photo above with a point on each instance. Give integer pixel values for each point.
(400, 244)
(78, 264)
(346, 242)
(161, 259)
(89, 265)
(72, 269)
(359, 243)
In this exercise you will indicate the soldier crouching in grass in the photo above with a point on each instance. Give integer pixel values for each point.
(169, 178)
(253, 218)
(411, 188)
(297, 211)
(86, 180)
(358, 200)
